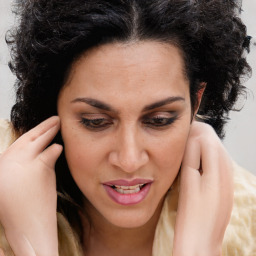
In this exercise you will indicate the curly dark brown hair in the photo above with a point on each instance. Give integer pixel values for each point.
(51, 35)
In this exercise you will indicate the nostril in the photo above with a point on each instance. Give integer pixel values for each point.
(129, 157)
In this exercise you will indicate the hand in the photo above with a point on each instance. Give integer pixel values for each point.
(206, 195)
(28, 197)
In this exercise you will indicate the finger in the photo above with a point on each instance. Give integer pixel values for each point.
(210, 158)
(217, 177)
(50, 155)
(41, 128)
(44, 139)
(192, 155)
(44, 127)
(214, 158)
(190, 175)
(217, 167)
(211, 149)
(33, 134)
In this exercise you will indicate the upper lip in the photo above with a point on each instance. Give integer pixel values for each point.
(127, 182)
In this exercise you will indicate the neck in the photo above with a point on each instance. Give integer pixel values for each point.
(103, 238)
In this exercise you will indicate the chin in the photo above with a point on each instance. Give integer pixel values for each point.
(127, 219)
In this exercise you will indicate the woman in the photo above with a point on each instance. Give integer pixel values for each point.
(126, 79)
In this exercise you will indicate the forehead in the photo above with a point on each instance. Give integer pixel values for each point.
(127, 68)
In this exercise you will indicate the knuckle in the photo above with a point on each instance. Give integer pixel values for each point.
(205, 133)
(45, 162)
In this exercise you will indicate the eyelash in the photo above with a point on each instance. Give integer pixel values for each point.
(98, 124)
(95, 124)
(159, 121)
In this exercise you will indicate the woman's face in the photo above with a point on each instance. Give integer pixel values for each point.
(125, 118)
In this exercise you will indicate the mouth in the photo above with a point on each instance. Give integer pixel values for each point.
(128, 189)
(128, 192)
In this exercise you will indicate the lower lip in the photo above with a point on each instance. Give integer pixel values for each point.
(127, 199)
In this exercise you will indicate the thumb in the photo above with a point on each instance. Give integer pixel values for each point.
(50, 155)
(192, 155)
(190, 175)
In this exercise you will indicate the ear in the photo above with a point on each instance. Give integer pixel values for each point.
(199, 96)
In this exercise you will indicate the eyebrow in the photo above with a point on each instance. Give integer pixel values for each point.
(94, 103)
(163, 102)
(104, 106)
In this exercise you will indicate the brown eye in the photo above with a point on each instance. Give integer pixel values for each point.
(96, 123)
(158, 121)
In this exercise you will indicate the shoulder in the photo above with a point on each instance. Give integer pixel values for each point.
(6, 134)
(6, 138)
(240, 236)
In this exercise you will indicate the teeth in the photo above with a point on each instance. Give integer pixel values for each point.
(128, 189)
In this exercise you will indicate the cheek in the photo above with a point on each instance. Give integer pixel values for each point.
(171, 150)
(81, 153)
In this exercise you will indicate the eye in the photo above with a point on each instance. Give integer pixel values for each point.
(96, 123)
(159, 121)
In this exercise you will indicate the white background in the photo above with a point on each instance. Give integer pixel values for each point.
(240, 138)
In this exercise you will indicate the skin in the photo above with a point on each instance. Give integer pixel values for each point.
(27, 177)
(128, 78)
(206, 182)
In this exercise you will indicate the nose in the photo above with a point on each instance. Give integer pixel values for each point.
(129, 151)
